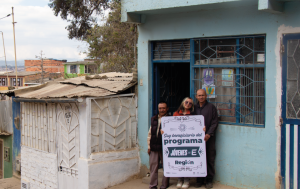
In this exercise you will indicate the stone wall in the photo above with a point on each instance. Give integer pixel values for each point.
(39, 168)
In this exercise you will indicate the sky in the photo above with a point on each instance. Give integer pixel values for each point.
(37, 29)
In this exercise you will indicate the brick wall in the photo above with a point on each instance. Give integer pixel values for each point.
(49, 65)
(39, 168)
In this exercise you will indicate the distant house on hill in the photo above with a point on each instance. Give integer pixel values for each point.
(9, 80)
(74, 69)
(49, 65)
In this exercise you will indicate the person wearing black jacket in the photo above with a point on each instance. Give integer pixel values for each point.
(154, 140)
(210, 114)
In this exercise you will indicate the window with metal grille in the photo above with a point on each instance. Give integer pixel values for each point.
(171, 50)
(232, 71)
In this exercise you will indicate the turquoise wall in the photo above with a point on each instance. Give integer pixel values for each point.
(246, 156)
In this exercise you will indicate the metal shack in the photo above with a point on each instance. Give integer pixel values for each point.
(79, 133)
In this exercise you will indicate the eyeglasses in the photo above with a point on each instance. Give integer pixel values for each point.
(188, 103)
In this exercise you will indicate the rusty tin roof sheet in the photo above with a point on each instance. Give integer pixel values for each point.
(103, 85)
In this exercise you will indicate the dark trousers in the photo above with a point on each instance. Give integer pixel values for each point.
(210, 159)
(154, 163)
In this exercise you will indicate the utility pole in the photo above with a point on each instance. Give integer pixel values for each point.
(16, 67)
(5, 60)
(42, 65)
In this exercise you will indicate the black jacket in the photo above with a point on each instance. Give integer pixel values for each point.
(209, 111)
(155, 142)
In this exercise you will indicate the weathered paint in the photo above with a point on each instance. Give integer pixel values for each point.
(246, 156)
(39, 168)
(81, 68)
(8, 165)
(16, 150)
(3, 88)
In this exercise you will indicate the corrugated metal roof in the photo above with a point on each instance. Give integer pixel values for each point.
(23, 73)
(112, 81)
(105, 84)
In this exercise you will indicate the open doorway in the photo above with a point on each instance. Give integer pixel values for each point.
(171, 84)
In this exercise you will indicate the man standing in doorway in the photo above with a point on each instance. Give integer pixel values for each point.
(210, 114)
(154, 140)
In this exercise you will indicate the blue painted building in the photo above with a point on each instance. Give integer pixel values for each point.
(246, 54)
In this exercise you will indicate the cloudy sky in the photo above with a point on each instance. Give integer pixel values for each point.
(36, 29)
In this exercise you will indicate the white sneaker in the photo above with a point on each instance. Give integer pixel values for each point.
(185, 185)
(179, 184)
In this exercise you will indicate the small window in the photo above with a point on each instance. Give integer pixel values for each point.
(73, 69)
(3, 82)
(6, 154)
(13, 81)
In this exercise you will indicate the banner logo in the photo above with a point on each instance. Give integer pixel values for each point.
(183, 152)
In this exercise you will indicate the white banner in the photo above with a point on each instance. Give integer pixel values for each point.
(184, 146)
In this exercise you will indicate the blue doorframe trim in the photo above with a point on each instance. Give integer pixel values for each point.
(291, 156)
(282, 155)
(237, 108)
(292, 122)
(171, 61)
(152, 78)
(192, 62)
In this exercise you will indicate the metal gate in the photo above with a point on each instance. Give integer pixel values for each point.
(290, 111)
(68, 145)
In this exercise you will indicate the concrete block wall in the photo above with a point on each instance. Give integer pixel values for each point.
(39, 168)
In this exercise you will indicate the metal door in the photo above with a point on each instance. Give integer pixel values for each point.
(68, 145)
(290, 110)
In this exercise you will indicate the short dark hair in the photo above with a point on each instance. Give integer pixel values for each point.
(163, 102)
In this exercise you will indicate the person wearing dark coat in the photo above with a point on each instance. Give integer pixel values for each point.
(154, 140)
(209, 111)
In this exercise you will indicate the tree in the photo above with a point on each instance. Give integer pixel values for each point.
(114, 42)
(80, 13)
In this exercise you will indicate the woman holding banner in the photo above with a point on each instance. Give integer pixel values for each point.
(186, 108)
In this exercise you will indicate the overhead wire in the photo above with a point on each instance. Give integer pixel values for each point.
(5, 16)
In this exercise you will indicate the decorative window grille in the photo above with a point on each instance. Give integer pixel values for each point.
(171, 50)
(293, 76)
(232, 71)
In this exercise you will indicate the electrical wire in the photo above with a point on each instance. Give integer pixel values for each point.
(5, 16)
